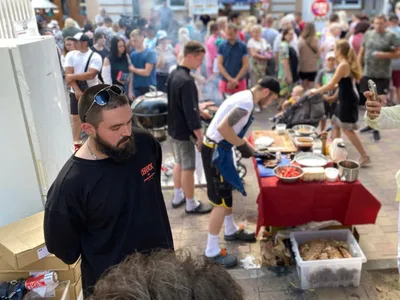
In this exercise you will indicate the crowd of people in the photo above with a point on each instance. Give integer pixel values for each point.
(107, 201)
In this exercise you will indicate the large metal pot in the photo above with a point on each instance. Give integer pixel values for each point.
(348, 170)
(150, 112)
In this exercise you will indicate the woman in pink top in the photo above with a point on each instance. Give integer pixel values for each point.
(211, 48)
(356, 39)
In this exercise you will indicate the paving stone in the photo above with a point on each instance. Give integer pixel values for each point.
(389, 229)
(191, 231)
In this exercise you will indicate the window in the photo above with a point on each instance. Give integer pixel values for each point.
(347, 4)
(174, 4)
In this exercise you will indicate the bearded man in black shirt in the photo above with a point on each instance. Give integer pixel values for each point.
(106, 202)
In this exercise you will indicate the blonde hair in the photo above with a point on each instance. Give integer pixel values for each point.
(69, 23)
(136, 33)
(250, 22)
(183, 35)
(222, 22)
(343, 47)
(256, 28)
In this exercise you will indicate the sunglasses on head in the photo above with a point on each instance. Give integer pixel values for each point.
(102, 97)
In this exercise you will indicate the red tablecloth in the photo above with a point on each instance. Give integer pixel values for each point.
(283, 204)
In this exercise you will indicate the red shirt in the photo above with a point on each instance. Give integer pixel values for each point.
(241, 35)
(301, 25)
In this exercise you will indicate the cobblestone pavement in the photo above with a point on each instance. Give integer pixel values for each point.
(379, 241)
(283, 284)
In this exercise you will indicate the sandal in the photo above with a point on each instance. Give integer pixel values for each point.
(364, 161)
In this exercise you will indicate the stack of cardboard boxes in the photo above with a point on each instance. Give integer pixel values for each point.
(23, 253)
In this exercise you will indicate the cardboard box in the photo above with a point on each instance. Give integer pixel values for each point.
(22, 242)
(74, 291)
(50, 263)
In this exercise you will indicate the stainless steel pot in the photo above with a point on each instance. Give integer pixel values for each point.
(348, 170)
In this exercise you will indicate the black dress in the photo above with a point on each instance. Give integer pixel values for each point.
(346, 115)
(119, 64)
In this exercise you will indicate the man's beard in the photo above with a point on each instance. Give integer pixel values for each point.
(117, 153)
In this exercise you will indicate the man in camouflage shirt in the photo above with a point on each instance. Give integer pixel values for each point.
(378, 49)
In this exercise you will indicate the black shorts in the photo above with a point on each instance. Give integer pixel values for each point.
(73, 104)
(330, 109)
(310, 76)
(219, 192)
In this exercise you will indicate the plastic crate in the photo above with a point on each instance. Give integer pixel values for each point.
(333, 272)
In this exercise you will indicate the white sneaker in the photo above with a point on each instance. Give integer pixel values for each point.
(257, 109)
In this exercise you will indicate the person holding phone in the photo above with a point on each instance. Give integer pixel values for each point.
(116, 67)
(379, 117)
(378, 49)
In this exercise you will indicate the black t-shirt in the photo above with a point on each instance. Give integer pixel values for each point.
(183, 104)
(103, 53)
(104, 210)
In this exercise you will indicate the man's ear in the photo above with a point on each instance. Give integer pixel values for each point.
(88, 129)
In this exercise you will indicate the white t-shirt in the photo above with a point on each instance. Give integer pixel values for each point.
(242, 100)
(78, 61)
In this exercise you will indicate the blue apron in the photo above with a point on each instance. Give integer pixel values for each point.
(223, 161)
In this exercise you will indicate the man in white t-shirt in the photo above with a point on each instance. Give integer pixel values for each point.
(226, 130)
(81, 72)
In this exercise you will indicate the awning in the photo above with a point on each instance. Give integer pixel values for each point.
(43, 4)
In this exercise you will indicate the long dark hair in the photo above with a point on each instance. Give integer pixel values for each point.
(114, 49)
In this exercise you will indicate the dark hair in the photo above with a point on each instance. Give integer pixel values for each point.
(393, 17)
(334, 18)
(233, 15)
(285, 32)
(114, 49)
(98, 35)
(94, 117)
(108, 20)
(167, 275)
(214, 27)
(121, 23)
(361, 27)
(68, 38)
(88, 26)
(193, 47)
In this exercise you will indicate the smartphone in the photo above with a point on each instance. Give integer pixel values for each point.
(372, 88)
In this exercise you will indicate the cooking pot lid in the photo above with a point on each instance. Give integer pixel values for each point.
(154, 94)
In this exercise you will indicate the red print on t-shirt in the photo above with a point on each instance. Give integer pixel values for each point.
(147, 172)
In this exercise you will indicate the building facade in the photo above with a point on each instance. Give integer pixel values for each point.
(115, 7)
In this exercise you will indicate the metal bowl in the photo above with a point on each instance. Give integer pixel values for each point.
(277, 171)
(304, 130)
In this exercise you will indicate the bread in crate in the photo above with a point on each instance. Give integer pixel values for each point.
(313, 174)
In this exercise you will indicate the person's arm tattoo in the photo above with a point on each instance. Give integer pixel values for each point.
(236, 115)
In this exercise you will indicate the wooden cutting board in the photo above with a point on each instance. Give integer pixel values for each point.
(282, 142)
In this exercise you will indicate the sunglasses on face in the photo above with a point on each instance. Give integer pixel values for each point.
(102, 97)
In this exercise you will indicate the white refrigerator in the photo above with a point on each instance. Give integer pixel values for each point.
(35, 132)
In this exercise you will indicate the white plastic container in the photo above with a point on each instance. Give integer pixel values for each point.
(333, 272)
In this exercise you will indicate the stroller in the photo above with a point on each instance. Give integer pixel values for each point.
(309, 110)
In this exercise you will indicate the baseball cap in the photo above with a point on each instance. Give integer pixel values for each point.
(270, 83)
(330, 54)
(81, 37)
(161, 34)
(52, 24)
